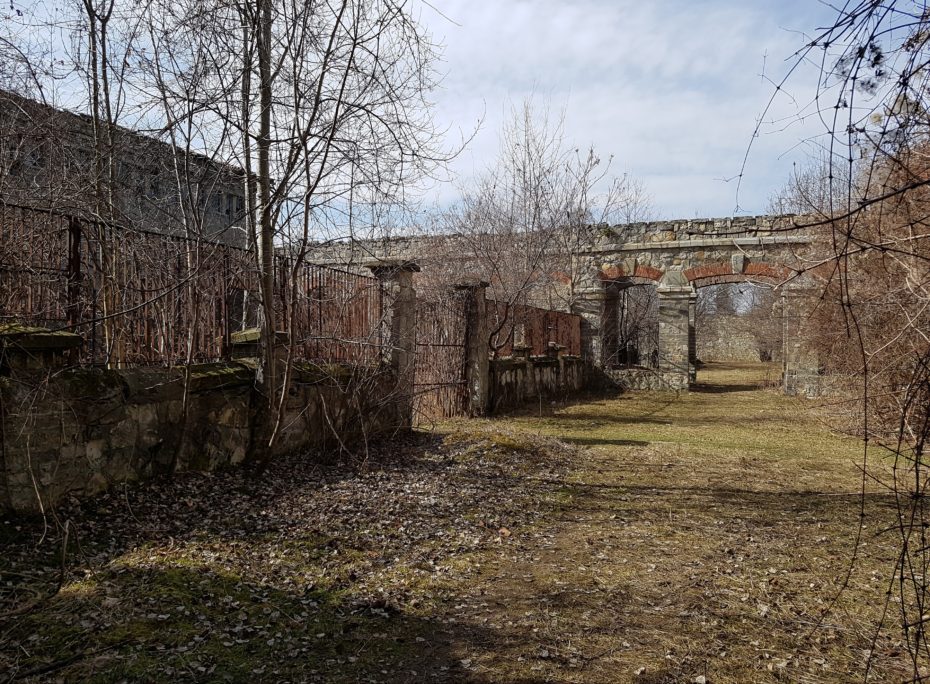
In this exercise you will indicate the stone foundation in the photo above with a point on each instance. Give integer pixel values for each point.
(646, 379)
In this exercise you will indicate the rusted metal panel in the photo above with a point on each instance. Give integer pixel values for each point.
(533, 328)
(144, 298)
(332, 314)
(440, 389)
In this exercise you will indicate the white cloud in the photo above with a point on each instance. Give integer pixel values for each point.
(671, 89)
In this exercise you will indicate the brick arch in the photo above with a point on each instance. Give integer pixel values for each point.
(708, 271)
(698, 283)
(763, 270)
(719, 273)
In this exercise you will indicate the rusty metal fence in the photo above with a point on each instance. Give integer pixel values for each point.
(333, 314)
(445, 323)
(530, 327)
(440, 389)
(144, 298)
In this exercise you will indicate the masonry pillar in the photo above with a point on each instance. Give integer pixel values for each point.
(597, 306)
(398, 329)
(674, 329)
(24, 348)
(800, 362)
(610, 325)
(692, 337)
(477, 358)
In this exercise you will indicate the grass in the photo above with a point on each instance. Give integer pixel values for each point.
(709, 534)
(706, 534)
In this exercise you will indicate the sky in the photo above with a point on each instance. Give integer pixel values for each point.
(671, 89)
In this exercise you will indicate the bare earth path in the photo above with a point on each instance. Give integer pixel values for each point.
(700, 537)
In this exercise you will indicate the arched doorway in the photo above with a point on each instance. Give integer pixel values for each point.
(737, 322)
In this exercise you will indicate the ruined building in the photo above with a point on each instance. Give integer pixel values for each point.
(51, 159)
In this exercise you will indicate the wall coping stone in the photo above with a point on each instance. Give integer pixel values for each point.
(386, 267)
(734, 242)
(254, 335)
(25, 348)
(38, 339)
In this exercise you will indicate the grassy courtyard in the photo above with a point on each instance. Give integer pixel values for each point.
(642, 538)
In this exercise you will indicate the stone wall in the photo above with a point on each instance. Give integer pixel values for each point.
(706, 252)
(628, 379)
(731, 337)
(719, 344)
(77, 432)
(690, 229)
(679, 256)
(651, 234)
(519, 380)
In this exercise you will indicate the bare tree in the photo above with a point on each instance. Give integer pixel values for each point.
(738, 321)
(307, 106)
(341, 94)
(518, 224)
(637, 326)
(869, 199)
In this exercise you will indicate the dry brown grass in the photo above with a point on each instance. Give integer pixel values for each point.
(705, 534)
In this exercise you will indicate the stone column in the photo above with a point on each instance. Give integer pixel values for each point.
(398, 329)
(674, 329)
(610, 325)
(692, 338)
(800, 363)
(477, 359)
(597, 306)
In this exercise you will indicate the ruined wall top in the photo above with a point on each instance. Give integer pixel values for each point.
(692, 234)
(697, 228)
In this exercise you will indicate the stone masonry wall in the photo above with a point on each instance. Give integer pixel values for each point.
(719, 344)
(690, 229)
(517, 381)
(732, 337)
(705, 249)
(77, 432)
(419, 247)
(628, 379)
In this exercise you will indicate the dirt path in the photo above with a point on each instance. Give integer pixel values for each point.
(678, 538)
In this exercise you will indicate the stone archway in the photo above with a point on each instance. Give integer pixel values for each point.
(681, 256)
(678, 256)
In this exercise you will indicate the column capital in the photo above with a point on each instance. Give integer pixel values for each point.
(471, 284)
